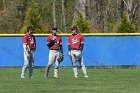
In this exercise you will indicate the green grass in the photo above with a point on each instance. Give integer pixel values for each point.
(100, 81)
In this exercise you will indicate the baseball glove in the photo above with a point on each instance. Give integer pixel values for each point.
(61, 58)
(27, 48)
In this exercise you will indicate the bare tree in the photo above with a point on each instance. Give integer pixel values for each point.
(4, 6)
(54, 12)
(64, 15)
(80, 8)
(131, 8)
(98, 15)
(92, 15)
(120, 9)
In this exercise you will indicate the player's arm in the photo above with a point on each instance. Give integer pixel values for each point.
(82, 43)
(50, 42)
(69, 46)
(25, 45)
(82, 46)
(35, 42)
(69, 49)
(61, 47)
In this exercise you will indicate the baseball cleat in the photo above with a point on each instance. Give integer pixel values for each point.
(86, 76)
(22, 76)
(55, 76)
(76, 76)
(45, 76)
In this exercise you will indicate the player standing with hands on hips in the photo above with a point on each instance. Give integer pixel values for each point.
(54, 43)
(29, 45)
(75, 47)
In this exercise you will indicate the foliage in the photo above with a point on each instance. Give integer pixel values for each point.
(103, 14)
(1, 6)
(47, 13)
(69, 5)
(33, 18)
(83, 24)
(125, 26)
(112, 25)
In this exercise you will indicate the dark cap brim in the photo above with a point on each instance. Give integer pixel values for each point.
(54, 28)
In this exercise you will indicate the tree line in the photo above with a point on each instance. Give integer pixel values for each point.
(91, 16)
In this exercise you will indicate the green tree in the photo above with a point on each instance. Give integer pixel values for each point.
(125, 26)
(83, 24)
(33, 18)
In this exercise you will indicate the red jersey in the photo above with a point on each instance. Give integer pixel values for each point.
(58, 42)
(75, 41)
(29, 40)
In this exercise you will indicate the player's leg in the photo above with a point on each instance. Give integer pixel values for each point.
(26, 63)
(51, 60)
(83, 66)
(56, 68)
(31, 64)
(73, 59)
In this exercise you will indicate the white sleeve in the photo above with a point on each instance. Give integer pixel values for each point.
(25, 47)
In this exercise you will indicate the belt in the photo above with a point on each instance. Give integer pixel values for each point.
(54, 49)
(32, 49)
(75, 49)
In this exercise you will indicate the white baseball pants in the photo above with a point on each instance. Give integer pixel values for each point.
(53, 57)
(76, 55)
(28, 63)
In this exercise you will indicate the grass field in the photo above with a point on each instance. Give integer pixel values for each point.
(122, 80)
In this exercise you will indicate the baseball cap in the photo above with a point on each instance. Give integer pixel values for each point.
(74, 28)
(29, 28)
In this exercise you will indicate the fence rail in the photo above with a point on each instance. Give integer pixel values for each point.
(85, 34)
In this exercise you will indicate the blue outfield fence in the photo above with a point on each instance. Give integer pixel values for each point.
(98, 51)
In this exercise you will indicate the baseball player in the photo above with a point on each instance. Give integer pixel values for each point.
(75, 47)
(54, 44)
(29, 45)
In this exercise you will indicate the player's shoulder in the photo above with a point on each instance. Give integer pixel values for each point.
(58, 36)
(49, 36)
(26, 35)
(70, 36)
